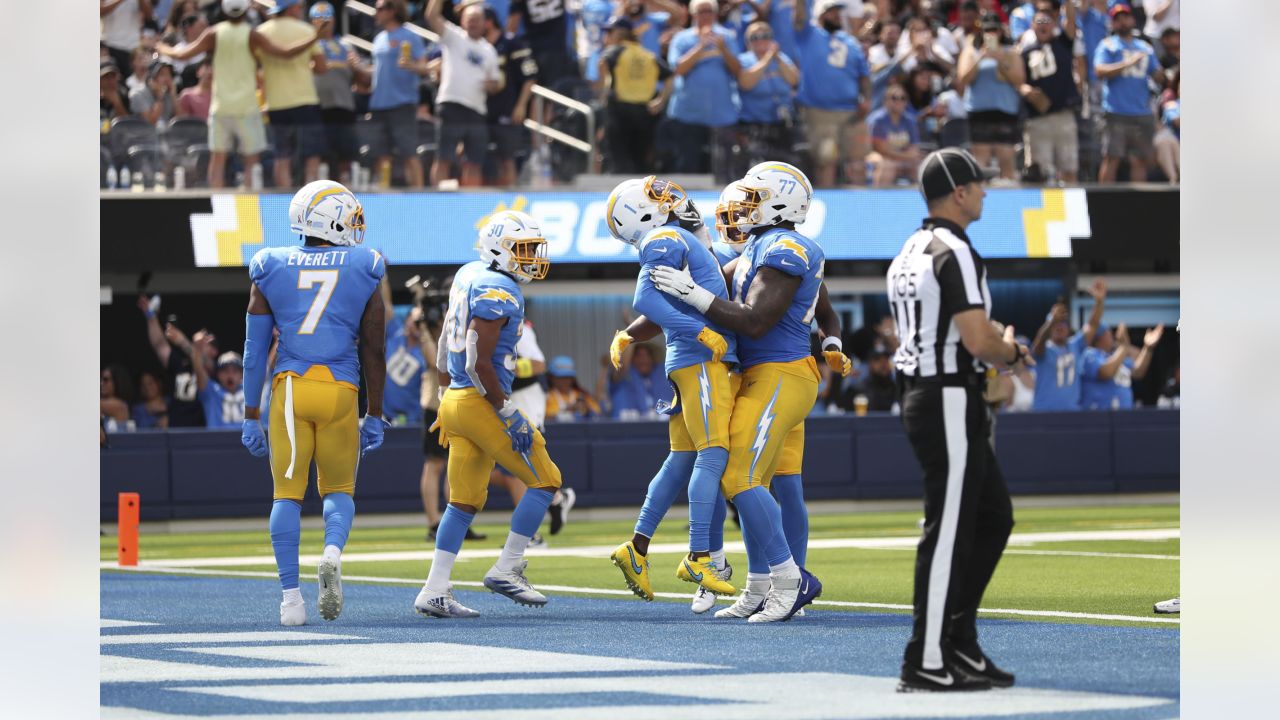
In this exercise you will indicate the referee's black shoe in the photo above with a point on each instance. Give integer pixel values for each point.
(972, 661)
(948, 678)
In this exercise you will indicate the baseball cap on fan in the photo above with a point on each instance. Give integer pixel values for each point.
(821, 6)
(942, 171)
(282, 5)
(1119, 8)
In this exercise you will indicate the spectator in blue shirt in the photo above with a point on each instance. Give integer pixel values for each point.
(895, 137)
(394, 101)
(650, 27)
(767, 84)
(704, 104)
(835, 92)
(1058, 355)
(1112, 364)
(989, 73)
(402, 395)
(637, 387)
(1124, 63)
(152, 410)
(1168, 140)
(222, 395)
(1020, 19)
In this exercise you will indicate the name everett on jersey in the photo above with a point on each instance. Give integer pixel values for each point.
(324, 259)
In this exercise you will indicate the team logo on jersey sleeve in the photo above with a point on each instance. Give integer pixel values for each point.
(799, 250)
(497, 295)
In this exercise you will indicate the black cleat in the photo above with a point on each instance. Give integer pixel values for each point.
(947, 678)
(972, 661)
(560, 507)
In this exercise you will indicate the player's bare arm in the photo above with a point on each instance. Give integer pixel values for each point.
(767, 301)
(373, 352)
(828, 319)
(486, 341)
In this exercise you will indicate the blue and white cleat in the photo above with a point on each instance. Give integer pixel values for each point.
(787, 596)
(514, 585)
(293, 614)
(441, 605)
(329, 575)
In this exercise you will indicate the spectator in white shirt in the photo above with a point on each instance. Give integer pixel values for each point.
(122, 27)
(469, 74)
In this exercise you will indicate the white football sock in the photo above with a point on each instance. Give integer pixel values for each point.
(512, 552)
(717, 557)
(787, 569)
(293, 595)
(757, 577)
(441, 569)
(333, 552)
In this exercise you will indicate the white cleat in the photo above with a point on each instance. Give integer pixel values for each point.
(704, 599)
(750, 602)
(330, 577)
(780, 601)
(441, 605)
(514, 585)
(1169, 606)
(293, 614)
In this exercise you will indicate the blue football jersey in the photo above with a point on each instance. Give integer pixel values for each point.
(1099, 394)
(479, 292)
(222, 409)
(676, 247)
(402, 394)
(1058, 375)
(794, 254)
(317, 297)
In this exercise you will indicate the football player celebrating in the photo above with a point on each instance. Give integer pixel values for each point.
(322, 297)
(776, 286)
(477, 421)
(787, 484)
(642, 213)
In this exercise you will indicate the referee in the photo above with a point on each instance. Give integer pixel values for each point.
(942, 309)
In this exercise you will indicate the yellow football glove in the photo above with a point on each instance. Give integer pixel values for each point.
(714, 342)
(838, 362)
(444, 437)
(620, 342)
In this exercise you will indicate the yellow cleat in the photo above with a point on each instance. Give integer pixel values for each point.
(635, 569)
(701, 572)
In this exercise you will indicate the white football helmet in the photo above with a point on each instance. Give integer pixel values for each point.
(727, 232)
(774, 192)
(329, 211)
(637, 206)
(235, 8)
(513, 242)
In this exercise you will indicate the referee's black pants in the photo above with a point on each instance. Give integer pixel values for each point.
(967, 510)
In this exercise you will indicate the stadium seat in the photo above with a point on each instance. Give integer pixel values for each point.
(136, 145)
(186, 145)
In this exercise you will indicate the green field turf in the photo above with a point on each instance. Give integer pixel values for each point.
(1108, 585)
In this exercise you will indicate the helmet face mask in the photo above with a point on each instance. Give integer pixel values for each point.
(726, 227)
(666, 194)
(513, 243)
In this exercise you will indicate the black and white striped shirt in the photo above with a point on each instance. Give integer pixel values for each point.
(937, 274)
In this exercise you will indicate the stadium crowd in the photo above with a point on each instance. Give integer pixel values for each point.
(854, 93)
(194, 383)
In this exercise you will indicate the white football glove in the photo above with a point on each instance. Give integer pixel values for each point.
(680, 285)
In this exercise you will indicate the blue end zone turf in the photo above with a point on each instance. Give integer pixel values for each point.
(582, 658)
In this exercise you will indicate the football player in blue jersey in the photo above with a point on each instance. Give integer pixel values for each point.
(775, 290)
(323, 297)
(787, 485)
(476, 359)
(699, 357)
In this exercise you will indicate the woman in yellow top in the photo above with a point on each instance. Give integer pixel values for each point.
(566, 400)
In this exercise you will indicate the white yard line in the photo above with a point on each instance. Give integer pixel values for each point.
(603, 551)
(675, 596)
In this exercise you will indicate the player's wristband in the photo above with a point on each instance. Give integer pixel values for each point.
(524, 368)
(832, 343)
(257, 341)
(507, 410)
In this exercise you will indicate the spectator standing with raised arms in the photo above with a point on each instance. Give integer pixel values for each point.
(1051, 95)
(1059, 354)
(297, 127)
(1112, 364)
(233, 113)
(397, 54)
(638, 86)
(989, 73)
(122, 27)
(468, 75)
